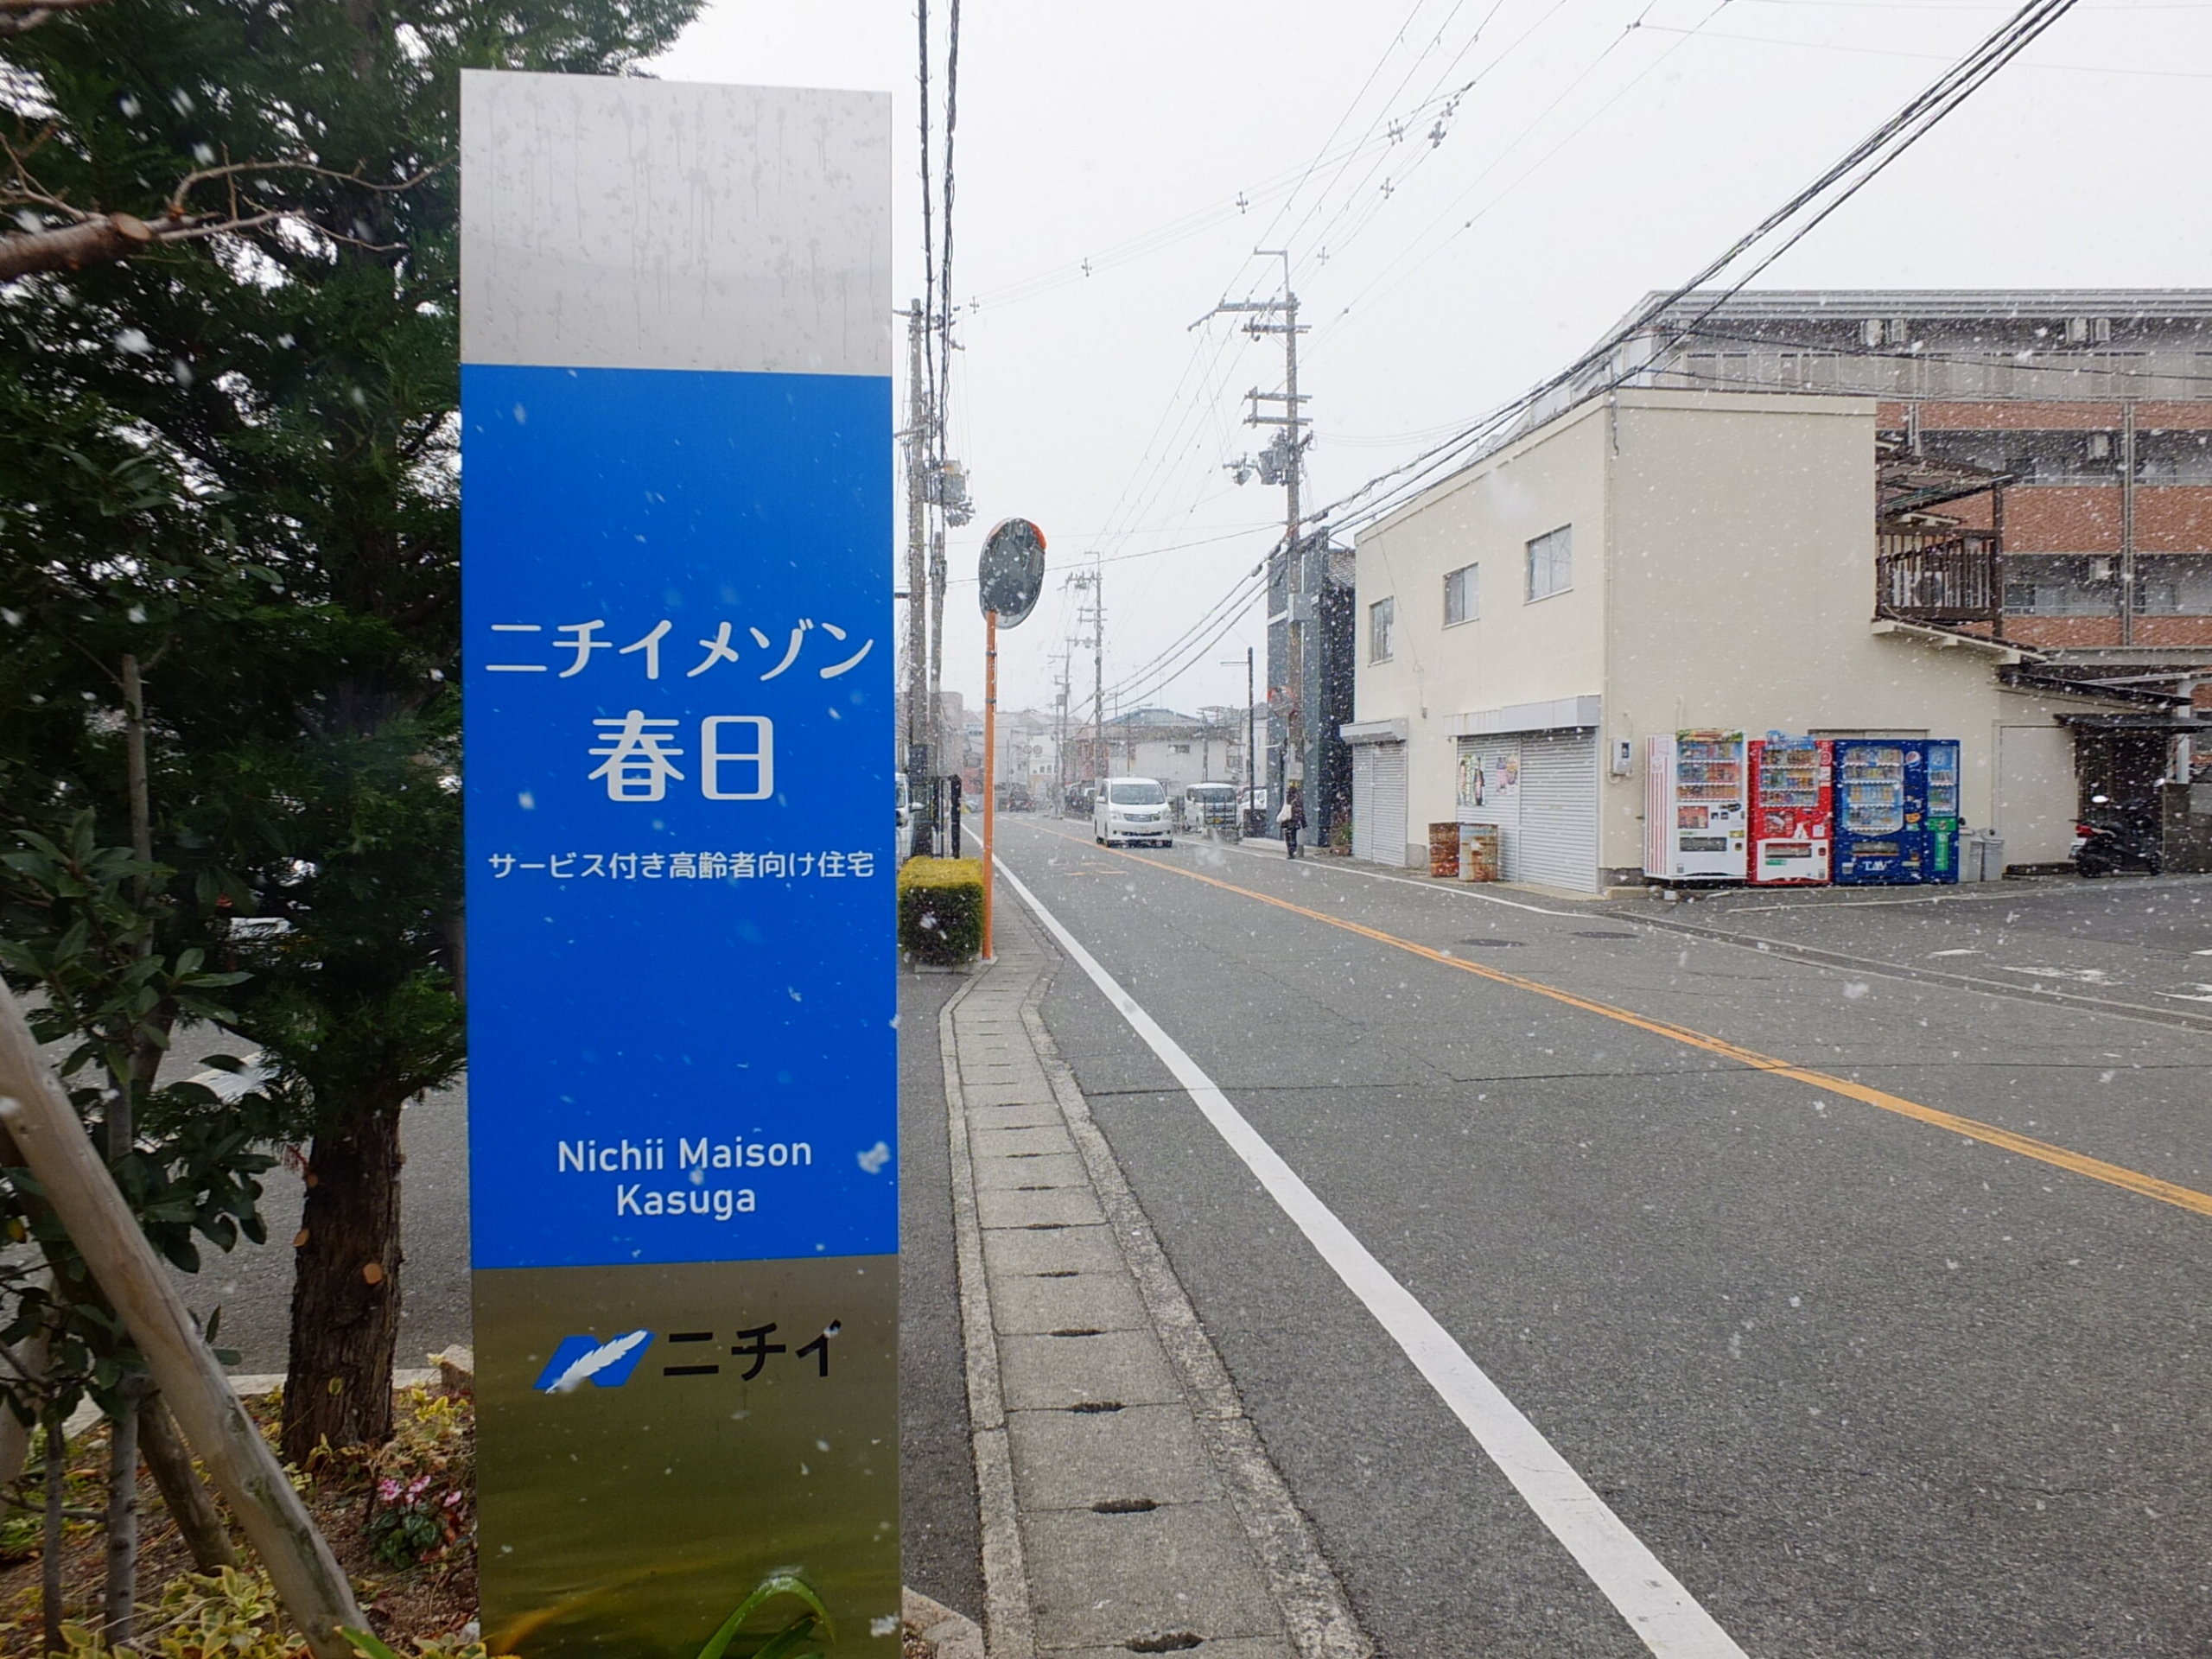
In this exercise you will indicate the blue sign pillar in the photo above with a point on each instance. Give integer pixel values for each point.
(678, 651)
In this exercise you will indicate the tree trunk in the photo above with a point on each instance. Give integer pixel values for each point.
(119, 1603)
(49, 1563)
(345, 1289)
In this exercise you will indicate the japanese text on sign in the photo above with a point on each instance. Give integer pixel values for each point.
(581, 640)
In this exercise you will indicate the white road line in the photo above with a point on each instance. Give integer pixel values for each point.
(1662, 1612)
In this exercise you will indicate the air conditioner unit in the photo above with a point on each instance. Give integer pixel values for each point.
(2100, 570)
(2099, 445)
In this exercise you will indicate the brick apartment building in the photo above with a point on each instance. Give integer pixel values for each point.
(2091, 408)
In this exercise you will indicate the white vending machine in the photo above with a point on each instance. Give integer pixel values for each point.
(1696, 810)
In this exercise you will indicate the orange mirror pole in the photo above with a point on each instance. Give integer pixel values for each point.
(990, 763)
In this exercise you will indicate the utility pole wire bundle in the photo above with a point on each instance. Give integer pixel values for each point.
(1857, 168)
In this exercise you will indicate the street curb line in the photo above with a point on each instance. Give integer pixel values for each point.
(1316, 1612)
(1009, 1625)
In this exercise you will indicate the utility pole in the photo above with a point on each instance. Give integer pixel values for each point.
(1281, 462)
(920, 704)
(1091, 581)
(947, 749)
(1060, 741)
(1098, 674)
(1244, 804)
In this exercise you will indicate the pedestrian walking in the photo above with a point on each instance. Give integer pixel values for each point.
(1292, 817)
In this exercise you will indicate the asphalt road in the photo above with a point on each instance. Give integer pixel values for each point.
(1866, 1387)
(2129, 941)
(252, 1284)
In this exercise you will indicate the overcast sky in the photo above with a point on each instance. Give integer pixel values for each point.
(1588, 162)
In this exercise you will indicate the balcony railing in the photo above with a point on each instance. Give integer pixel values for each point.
(1959, 577)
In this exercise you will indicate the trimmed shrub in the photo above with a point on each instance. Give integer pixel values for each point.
(941, 909)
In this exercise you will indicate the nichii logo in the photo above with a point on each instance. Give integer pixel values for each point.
(579, 1360)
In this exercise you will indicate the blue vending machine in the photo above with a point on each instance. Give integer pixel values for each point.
(1896, 811)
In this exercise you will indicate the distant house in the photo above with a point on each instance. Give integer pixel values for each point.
(1176, 748)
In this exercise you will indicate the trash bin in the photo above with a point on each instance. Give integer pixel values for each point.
(1444, 849)
(1480, 846)
(1981, 856)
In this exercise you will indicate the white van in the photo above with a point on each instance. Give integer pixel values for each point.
(1132, 809)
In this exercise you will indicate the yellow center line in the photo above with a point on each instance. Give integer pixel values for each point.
(2096, 1169)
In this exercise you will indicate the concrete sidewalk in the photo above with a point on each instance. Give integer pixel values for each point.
(1127, 1505)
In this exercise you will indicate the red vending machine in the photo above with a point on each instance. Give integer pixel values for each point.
(1793, 811)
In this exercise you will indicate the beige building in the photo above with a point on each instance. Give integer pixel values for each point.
(1647, 562)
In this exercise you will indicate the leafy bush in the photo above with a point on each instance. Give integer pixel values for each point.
(423, 1498)
(233, 1615)
(225, 1615)
(941, 909)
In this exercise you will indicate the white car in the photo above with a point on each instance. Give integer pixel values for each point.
(1132, 809)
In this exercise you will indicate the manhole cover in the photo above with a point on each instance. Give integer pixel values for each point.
(1492, 945)
(1605, 936)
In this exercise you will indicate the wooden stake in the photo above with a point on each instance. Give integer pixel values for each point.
(52, 1144)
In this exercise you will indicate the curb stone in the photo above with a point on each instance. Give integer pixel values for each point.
(938, 1631)
(1314, 1604)
(1005, 1594)
(1127, 1503)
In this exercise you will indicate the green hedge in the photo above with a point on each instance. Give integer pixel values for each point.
(941, 909)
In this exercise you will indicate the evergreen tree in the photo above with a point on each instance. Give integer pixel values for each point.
(283, 397)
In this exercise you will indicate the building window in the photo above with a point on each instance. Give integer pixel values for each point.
(2077, 584)
(1462, 594)
(1551, 563)
(1381, 616)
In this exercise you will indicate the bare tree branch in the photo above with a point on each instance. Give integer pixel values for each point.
(20, 16)
(239, 169)
(71, 247)
(105, 239)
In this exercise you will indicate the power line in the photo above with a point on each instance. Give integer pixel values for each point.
(1373, 205)
(951, 124)
(1511, 145)
(1205, 398)
(1933, 57)
(1193, 657)
(1245, 589)
(1858, 166)
(1236, 534)
(929, 245)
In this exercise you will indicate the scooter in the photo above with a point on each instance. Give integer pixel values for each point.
(2113, 841)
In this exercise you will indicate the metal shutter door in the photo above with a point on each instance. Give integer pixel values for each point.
(1363, 800)
(1558, 810)
(1389, 804)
